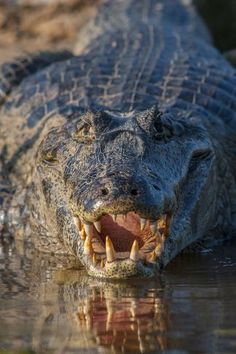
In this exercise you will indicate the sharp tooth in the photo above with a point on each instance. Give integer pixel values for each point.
(169, 219)
(102, 263)
(82, 234)
(158, 249)
(97, 225)
(153, 257)
(153, 226)
(142, 223)
(94, 258)
(110, 252)
(162, 222)
(134, 253)
(87, 228)
(77, 222)
(88, 249)
(114, 217)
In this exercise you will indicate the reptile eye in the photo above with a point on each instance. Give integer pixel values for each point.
(158, 126)
(162, 131)
(201, 154)
(85, 133)
(50, 157)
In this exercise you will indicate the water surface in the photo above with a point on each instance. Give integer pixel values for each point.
(47, 307)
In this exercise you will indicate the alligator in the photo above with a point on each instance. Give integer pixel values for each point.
(123, 154)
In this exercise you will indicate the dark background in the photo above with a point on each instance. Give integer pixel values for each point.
(220, 16)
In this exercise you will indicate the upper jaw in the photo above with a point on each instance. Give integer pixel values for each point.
(139, 259)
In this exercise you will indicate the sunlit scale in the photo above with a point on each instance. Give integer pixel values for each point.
(118, 237)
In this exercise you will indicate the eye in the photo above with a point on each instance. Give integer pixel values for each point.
(50, 157)
(201, 154)
(85, 133)
(158, 126)
(163, 131)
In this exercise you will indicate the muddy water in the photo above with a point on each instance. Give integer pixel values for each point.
(47, 307)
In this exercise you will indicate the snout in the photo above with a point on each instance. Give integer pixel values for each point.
(119, 194)
(123, 220)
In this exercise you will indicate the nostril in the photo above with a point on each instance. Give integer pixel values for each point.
(104, 191)
(156, 187)
(134, 191)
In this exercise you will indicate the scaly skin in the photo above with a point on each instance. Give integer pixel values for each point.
(142, 123)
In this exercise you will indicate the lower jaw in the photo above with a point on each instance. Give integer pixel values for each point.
(123, 269)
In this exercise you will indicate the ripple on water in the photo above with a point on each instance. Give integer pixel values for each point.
(46, 306)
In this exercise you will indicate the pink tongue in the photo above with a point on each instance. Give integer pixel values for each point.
(123, 231)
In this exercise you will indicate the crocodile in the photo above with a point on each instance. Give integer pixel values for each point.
(123, 154)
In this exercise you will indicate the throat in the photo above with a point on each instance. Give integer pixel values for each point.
(123, 230)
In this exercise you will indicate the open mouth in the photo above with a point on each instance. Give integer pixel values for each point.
(128, 237)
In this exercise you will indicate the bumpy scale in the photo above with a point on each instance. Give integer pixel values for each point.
(124, 155)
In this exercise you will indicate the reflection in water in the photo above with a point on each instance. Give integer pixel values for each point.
(46, 306)
(118, 317)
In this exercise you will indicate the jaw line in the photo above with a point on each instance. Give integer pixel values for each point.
(181, 235)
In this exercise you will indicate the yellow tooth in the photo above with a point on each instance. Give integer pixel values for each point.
(98, 226)
(102, 263)
(158, 249)
(110, 252)
(87, 229)
(162, 222)
(134, 253)
(94, 258)
(88, 249)
(83, 234)
(169, 219)
(142, 223)
(153, 257)
(77, 222)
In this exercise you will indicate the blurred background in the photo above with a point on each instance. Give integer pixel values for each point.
(29, 25)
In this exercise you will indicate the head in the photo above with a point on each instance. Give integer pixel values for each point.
(126, 192)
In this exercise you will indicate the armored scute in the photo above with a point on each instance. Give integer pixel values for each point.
(125, 154)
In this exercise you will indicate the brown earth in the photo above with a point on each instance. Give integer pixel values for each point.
(33, 25)
(29, 26)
